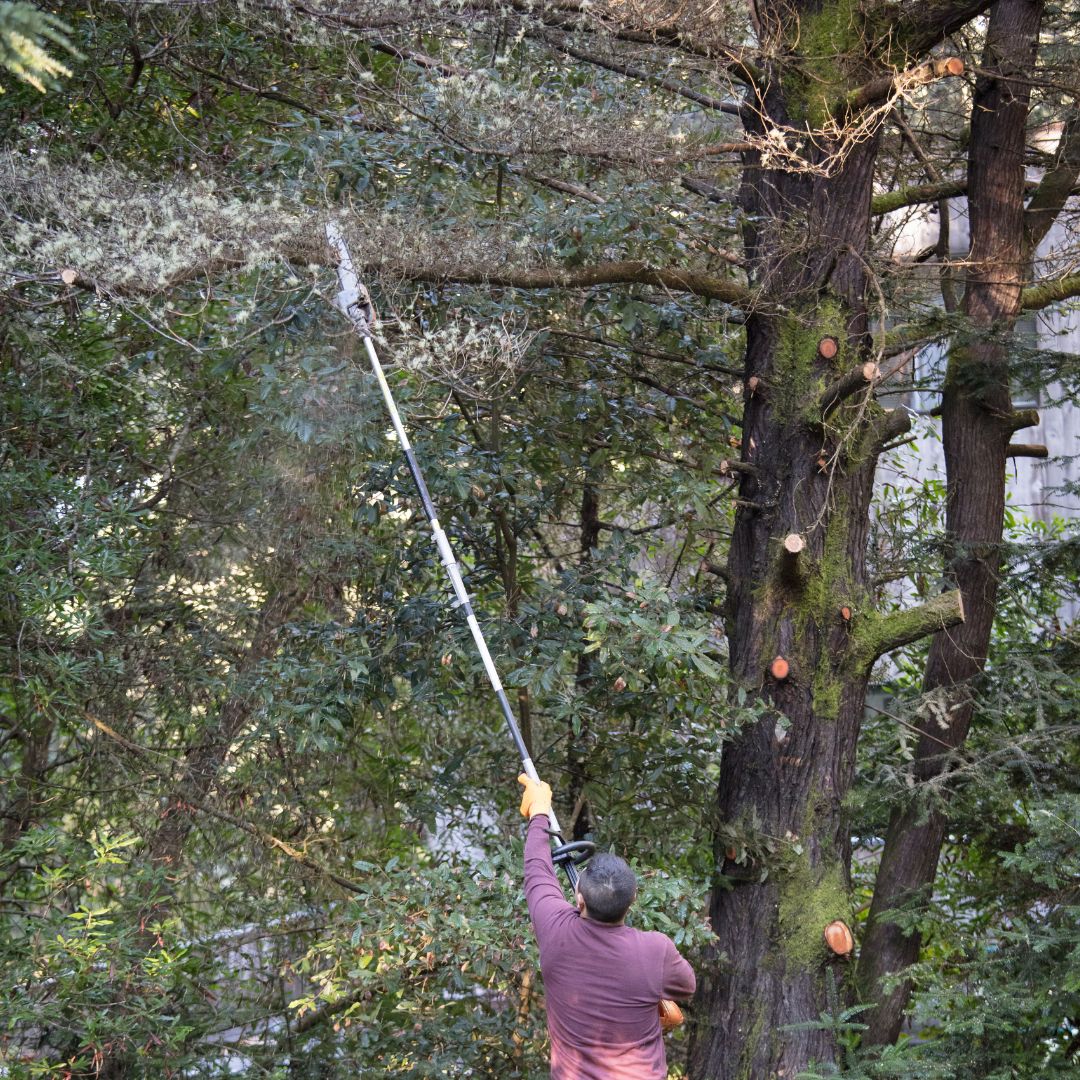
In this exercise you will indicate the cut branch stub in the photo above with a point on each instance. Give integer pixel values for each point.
(828, 347)
(845, 613)
(839, 938)
(790, 557)
(1031, 450)
(779, 668)
(851, 382)
(903, 627)
(1023, 418)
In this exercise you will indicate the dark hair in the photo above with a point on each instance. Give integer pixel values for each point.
(608, 886)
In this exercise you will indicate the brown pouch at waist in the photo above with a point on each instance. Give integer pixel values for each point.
(670, 1015)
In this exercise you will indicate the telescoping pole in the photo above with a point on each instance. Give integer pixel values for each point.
(353, 301)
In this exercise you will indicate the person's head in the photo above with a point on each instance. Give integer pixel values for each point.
(606, 888)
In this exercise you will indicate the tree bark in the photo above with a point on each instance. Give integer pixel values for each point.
(976, 427)
(782, 782)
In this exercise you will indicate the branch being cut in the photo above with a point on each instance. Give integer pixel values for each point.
(627, 272)
(110, 231)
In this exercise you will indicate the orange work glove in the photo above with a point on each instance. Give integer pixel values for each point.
(536, 798)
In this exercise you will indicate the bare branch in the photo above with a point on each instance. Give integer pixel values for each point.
(1028, 450)
(859, 378)
(878, 90)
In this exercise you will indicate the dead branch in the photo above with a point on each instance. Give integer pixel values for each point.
(1028, 450)
(878, 90)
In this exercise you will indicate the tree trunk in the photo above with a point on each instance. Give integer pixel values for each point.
(782, 781)
(977, 422)
(577, 743)
(802, 630)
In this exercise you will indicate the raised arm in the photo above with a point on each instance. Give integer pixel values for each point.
(679, 978)
(543, 893)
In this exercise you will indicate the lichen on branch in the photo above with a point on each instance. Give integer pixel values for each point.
(111, 230)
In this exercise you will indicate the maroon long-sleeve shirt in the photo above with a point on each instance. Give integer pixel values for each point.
(602, 983)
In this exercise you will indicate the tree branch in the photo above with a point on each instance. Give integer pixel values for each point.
(1037, 297)
(922, 24)
(658, 81)
(883, 634)
(891, 425)
(915, 194)
(628, 272)
(1054, 189)
(851, 382)
(1028, 450)
(877, 90)
(267, 839)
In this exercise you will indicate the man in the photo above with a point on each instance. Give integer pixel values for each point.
(603, 980)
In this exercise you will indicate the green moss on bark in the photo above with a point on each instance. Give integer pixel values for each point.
(825, 41)
(750, 1044)
(798, 380)
(809, 900)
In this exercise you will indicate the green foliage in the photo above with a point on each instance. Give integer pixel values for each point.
(221, 614)
(24, 32)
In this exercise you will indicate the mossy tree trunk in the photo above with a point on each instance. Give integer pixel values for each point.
(977, 422)
(782, 845)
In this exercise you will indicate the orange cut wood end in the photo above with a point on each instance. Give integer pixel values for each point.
(780, 668)
(839, 938)
(828, 347)
(954, 65)
(845, 613)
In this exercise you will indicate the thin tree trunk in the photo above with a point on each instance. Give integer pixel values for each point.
(577, 745)
(977, 421)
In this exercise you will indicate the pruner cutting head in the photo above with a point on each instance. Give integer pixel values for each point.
(352, 299)
(360, 308)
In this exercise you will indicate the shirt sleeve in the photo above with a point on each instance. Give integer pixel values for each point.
(679, 978)
(543, 893)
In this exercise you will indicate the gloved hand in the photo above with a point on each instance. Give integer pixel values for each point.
(536, 798)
